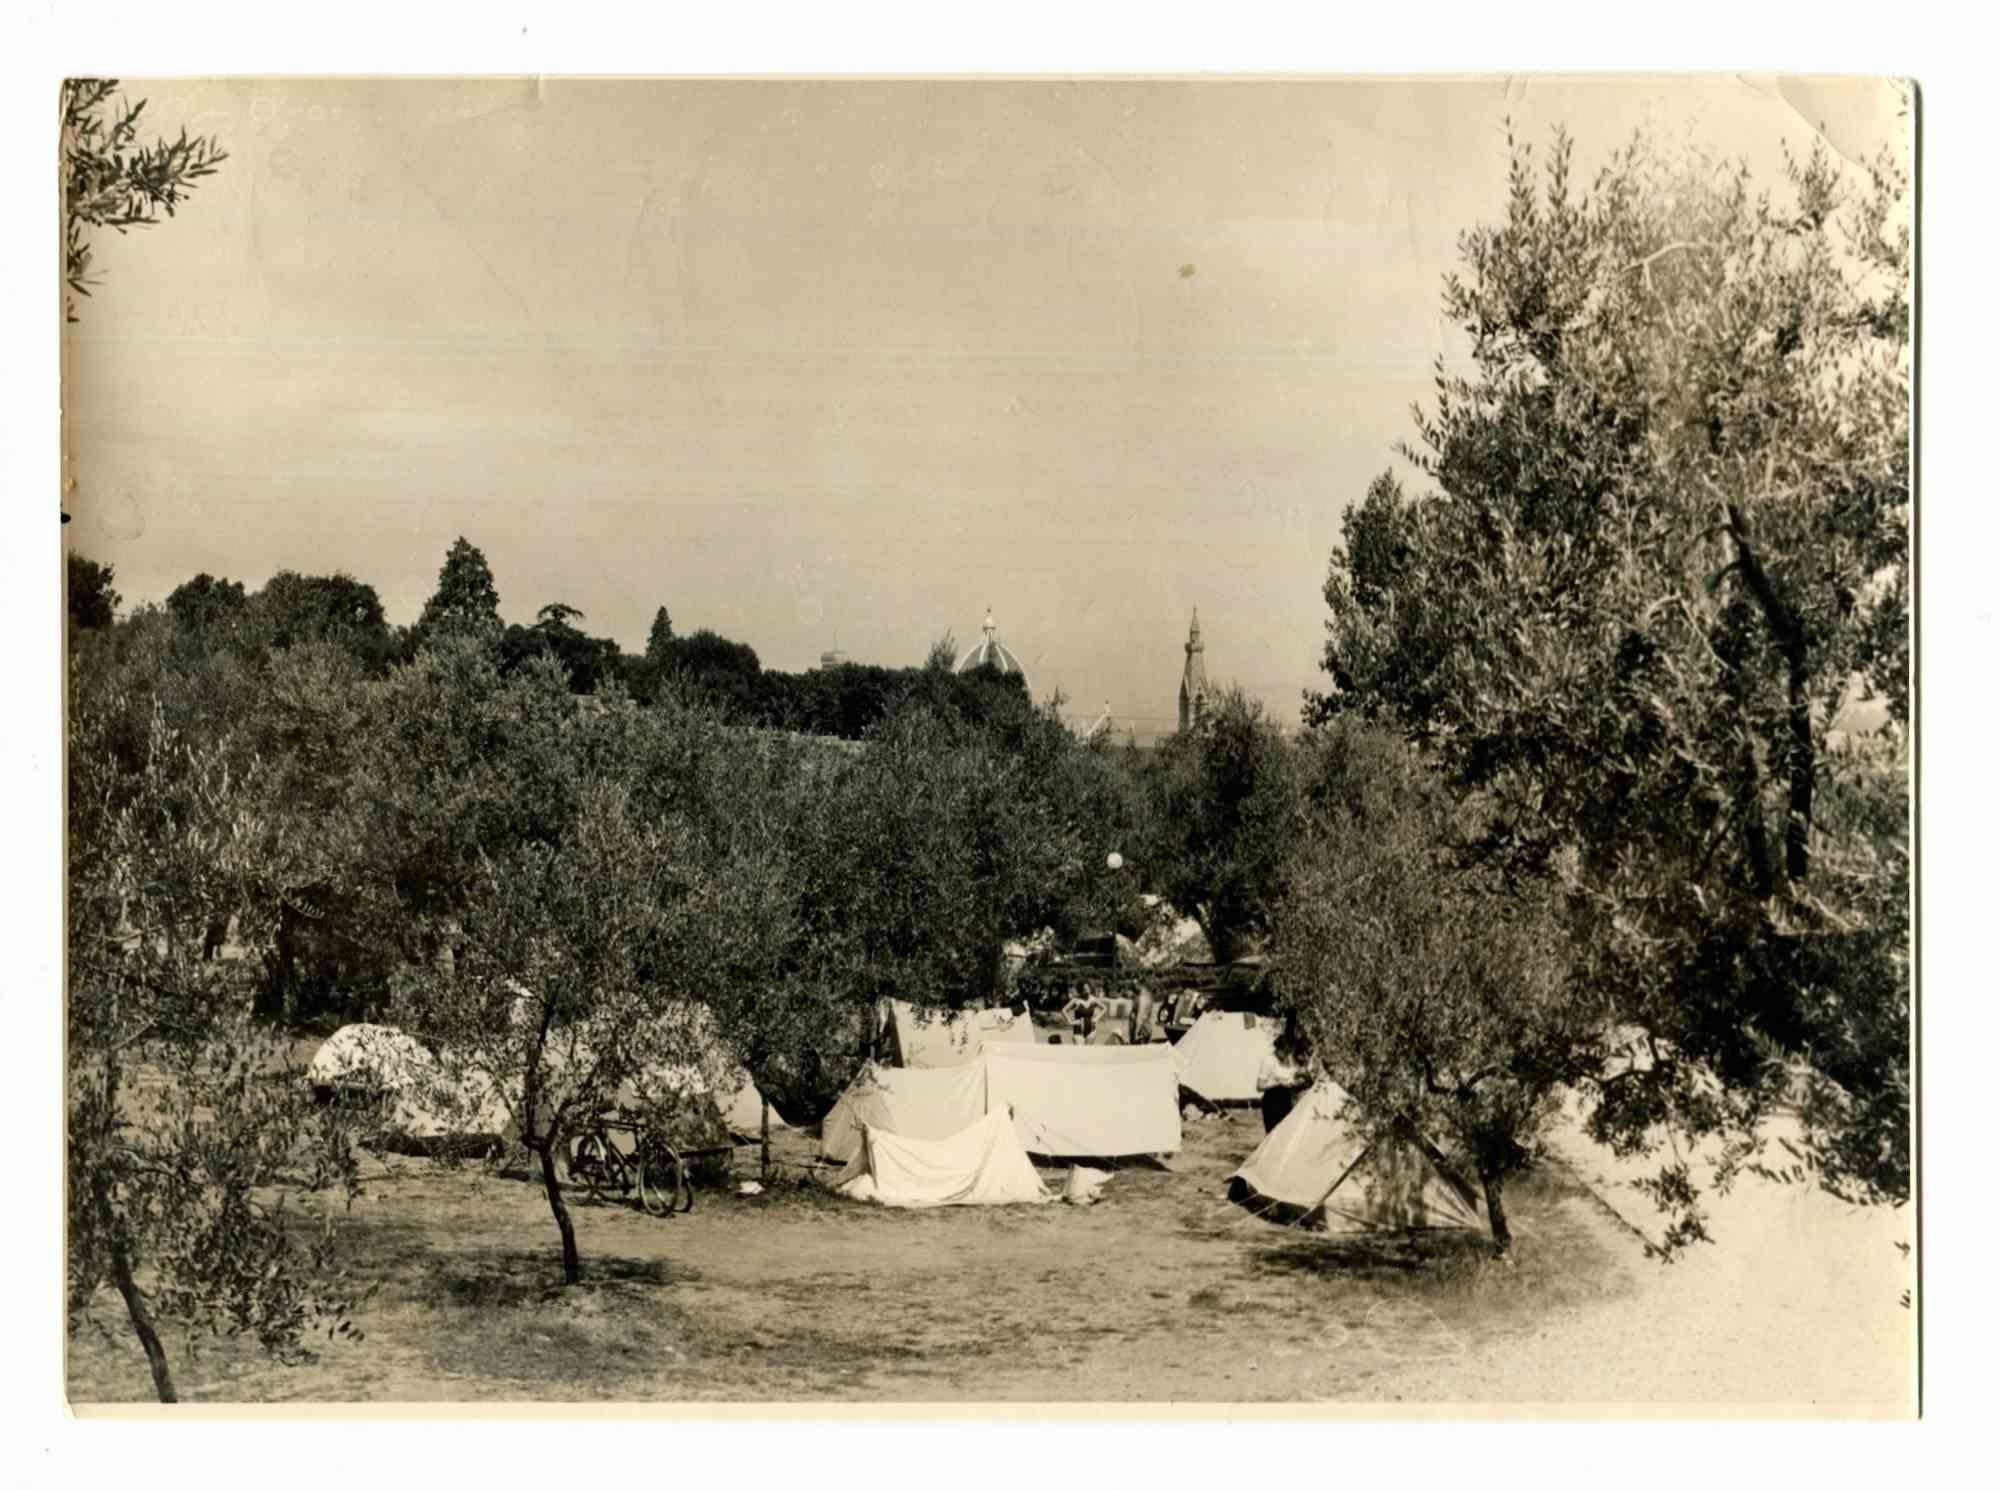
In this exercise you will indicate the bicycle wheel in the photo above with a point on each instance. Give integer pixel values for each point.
(598, 1165)
(663, 1181)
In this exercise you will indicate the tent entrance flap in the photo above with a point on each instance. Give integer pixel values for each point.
(909, 1102)
(982, 1165)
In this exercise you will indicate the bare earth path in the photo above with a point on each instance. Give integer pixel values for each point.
(1797, 1305)
(1161, 1293)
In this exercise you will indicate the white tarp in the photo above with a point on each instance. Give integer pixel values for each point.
(925, 1104)
(1088, 1101)
(940, 1038)
(1230, 1057)
(1314, 1159)
(983, 1164)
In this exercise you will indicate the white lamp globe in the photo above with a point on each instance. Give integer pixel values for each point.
(1114, 860)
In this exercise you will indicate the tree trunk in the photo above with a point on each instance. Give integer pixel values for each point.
(764, 1139)
(1798, 817)
(1790, 634)
(280, 971)
(1749, 788)
(142, 1321)
(572, 1266)
(1496, 1213)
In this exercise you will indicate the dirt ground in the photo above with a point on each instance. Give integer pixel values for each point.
(1160, 1293)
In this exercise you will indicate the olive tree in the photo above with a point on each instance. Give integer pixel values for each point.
(559, 995)
(187, 1133)
(1221, 799)
(112, 178)
(1663, 548)
(1433, 988)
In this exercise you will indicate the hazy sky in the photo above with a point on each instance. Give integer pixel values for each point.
(821, 364)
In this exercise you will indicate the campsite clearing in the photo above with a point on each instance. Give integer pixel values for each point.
(1160, 1292)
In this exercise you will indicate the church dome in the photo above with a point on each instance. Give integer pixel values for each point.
(989, 649)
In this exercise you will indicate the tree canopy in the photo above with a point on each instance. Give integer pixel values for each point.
(661, 633)
(465, 601)
(1222, 803)
(93, 603)
(1433, 988)
(1663, 548)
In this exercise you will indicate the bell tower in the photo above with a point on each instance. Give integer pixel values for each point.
(1194, 677)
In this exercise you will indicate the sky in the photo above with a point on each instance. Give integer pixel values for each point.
(824, 364)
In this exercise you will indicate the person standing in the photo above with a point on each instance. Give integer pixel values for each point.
(1278, 1088)
(1142, 1016)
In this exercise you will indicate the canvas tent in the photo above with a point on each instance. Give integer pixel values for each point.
(743, 1110)
(1315, 1167)
(910, 1103)
(420, 1098)
(1169, 939)
(938, 1038)
(1224, 1056)
(737, 1099)
(982, 1164)
(367, 1055)
(1087, 1101)
(1078, 1101)
(714, 1070)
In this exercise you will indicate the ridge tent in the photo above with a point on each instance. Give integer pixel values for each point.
(941, 1038)
(904, 1101)
(420, 1097)
(1087, 1101)
(1079, 1101)
(743, 1110)
(712, 1070)
(983, 1164)
(737, 1100)
(1223, 1056)
(1316, 1163)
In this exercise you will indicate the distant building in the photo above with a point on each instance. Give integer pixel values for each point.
(1098, 726)
(831, 660)
(989, 651)
(1194, 678)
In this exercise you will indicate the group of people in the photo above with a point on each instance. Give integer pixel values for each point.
(1099, 1019)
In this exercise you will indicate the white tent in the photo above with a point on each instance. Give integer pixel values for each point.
(736, 1099)
(743, 1110)
(1169, 939)
(1087, 1101)
(938, 1038)
(421, 1098)
(1317, 1163)
(983, 1164)
(368, 1055)
(1224, 1056)
(1079, 1101)
(910, 1103)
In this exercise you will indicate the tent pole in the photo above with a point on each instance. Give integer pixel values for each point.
(1329, 1189)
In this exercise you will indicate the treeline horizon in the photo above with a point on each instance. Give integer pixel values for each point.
(212, 612)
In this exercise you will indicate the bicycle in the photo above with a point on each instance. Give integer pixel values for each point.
(644, 1162)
